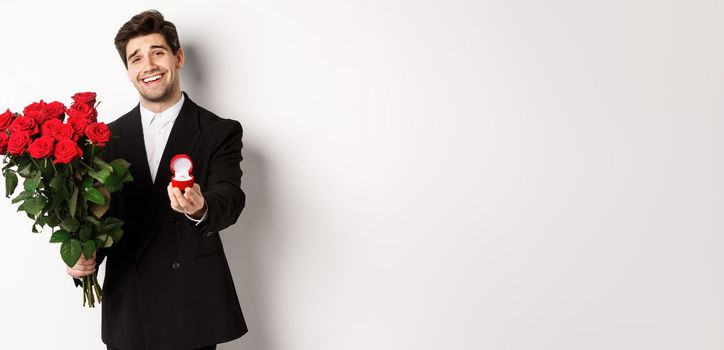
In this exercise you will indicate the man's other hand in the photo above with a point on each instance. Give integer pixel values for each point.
(83, 267)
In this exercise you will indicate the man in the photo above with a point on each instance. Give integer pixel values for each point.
(167, 283)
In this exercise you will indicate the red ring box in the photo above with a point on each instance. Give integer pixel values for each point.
(181, 167)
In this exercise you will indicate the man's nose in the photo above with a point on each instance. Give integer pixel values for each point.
(149, 65)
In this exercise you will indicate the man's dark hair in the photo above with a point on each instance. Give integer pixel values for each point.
(144, 23)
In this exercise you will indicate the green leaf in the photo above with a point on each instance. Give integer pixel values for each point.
(112, 223)
(57, 182)
(34, 206)
(100, 239)
(120, 168)
(116, 234)
(53, 220)
(58, 198)
(128, 177)
(70, 224)
(120, 162)
(85, 233)
(92, 220)
(73, 203)
(31, 184)
(70, 252)
(87, 182)
(22, 196)
(101, 175)
(25, 169)
(59, 236)
(113, 188)
(42, 219)
(11, 182)
(113, 179)
(95, 196)
(46, 168)
(104, 241)
(98, 161)
(88, 249)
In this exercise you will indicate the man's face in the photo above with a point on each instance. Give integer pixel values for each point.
(153, 68)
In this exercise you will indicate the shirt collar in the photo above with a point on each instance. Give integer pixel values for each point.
(171, 113)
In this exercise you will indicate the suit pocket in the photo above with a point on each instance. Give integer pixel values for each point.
(208, 246)
(206, 254)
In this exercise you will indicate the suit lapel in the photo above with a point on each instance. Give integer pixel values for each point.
(136, 152)
(183, 138)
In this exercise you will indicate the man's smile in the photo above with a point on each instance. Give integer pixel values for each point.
(152, 80)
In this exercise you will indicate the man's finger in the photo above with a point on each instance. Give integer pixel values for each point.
(79, 274)
(84, 267)
(194, 196)
(182, 201)
(174, 202)
(84, 262)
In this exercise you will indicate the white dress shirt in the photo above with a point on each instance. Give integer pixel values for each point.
(156, 130)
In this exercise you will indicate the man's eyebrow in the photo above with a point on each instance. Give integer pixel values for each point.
(132, 54)
(152, 47)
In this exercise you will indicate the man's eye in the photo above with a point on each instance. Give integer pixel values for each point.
(158, 53)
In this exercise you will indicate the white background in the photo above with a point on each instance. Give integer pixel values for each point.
(423, 174)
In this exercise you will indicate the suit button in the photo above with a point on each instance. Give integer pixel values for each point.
(138, 269)
(176, 266)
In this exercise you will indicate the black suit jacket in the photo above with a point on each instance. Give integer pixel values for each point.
(167, 283)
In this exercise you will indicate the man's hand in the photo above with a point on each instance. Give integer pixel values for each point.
(191, 202)
(83, 267)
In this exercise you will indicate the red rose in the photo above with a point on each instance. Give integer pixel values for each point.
(63, 132)
(88, 98)
(6, 119)
(24, 123)
(82, 111)
(98, 133)
(17, 142)
(79, 125)
(48, 127)
(42, 147)
(3, 142)
(33, 109)
(65, 151)
(53, 110)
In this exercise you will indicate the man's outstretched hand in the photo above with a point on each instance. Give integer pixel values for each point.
(191, 202)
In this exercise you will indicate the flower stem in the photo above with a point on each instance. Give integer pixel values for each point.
(97, 286)
(85, 283)
(85, 165)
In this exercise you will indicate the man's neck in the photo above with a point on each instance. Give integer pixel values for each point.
(158, 107)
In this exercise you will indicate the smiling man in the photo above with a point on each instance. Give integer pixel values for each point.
(167, 283)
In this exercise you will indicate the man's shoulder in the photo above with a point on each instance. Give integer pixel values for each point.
(123, 122)
(212, 120)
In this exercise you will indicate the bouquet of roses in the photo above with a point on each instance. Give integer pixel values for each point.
(66, 185)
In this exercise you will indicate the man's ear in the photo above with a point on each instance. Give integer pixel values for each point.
(180, 58)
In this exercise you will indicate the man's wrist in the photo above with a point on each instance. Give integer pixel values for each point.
(204, 215)
(199, 214)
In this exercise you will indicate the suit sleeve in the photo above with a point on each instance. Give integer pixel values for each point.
(223, 195)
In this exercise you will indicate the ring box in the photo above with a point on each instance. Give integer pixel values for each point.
(181, 167)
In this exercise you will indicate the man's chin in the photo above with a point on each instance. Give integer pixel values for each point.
(157, 97)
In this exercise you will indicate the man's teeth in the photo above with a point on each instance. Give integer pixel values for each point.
(150, 79)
